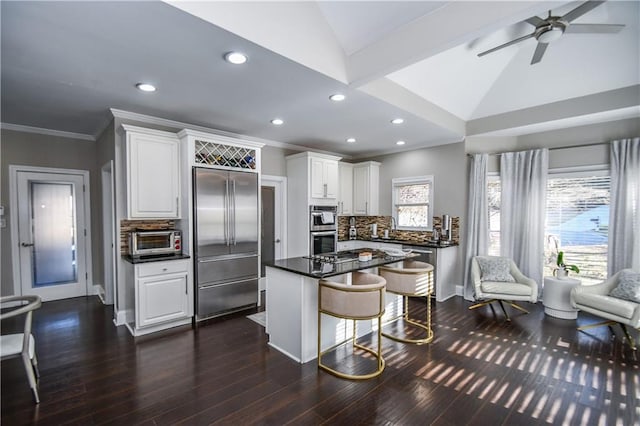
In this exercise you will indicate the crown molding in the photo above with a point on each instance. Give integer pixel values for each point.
(49, 132)
(118, 113)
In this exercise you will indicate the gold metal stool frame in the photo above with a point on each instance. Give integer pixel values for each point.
(423, 291)
(609, 323)
(357, 288)
(500, 302)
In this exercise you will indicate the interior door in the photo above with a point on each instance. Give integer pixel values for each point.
(52, 234)
(267, 242)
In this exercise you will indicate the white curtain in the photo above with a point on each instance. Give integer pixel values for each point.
(523, 176)
(477, 218)
(624, 212)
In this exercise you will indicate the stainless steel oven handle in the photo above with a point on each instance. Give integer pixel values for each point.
(421, 251)
(322, 234)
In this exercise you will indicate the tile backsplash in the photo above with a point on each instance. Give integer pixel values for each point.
(363, 228)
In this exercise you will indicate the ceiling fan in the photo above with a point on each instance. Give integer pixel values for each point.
(553, 27)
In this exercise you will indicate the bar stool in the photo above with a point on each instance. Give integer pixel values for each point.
(413, 279)
(363, 300)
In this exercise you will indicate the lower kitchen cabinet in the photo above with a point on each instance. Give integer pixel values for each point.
(162, 295)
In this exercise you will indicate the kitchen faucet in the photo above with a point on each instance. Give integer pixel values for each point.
(393, 223)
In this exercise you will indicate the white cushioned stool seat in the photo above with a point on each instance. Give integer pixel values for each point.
(363, 299)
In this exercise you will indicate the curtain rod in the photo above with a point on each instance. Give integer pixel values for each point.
(550, 149)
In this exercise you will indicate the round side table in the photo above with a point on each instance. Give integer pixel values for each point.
(555, 297)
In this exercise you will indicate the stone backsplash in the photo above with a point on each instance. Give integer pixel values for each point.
(126, 226)
(363, 228)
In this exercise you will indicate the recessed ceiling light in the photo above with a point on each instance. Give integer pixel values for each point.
(351, 140)
(236, 58)
(400, 143)
(146, 87)
(397, 121)
(277, 122)
(338, 97)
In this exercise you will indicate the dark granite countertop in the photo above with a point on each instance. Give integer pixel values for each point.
(156, 258)
(404, 242)
(317, 269)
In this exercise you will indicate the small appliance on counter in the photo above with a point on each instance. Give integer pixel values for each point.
(374, 230)
(353, 234)
(155, 243)
(447, 229)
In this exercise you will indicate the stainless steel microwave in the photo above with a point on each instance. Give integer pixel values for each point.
(152, 243)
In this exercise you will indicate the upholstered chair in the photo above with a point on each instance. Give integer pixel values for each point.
(363, 299)
(500, 280)
(411, 279)
(604, 301)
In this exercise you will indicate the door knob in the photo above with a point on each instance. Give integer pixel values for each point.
(27, 244)
(277, 241)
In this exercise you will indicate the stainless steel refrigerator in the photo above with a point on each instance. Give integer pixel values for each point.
(226, 241)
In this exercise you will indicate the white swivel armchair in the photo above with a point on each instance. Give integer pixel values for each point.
(22, 344)
(596, 300)
(488, 289)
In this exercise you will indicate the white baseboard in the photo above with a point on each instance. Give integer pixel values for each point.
(120, 318)
(460, 290)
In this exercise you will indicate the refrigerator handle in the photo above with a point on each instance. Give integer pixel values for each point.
(226, 213)
(234, 212)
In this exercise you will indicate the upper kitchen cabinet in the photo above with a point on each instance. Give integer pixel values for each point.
(366, 179)
(324, 178)
(153, 173)
(318, 173)
(345, 194)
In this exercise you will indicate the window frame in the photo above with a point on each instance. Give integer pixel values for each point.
(413, 180)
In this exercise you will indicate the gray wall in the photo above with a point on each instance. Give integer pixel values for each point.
(30, 149)
(448, 165)
(273, 160)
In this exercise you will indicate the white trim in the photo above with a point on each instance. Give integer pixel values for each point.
(117, 113)
(219, 138)
(578, 171)
(280, 184)
(150, 132)
(50, 132)
(106, 173)
(13, 203)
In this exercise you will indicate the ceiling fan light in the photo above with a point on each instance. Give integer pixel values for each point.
(550, 35)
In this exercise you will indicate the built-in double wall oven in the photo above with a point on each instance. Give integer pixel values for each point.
(323, 229)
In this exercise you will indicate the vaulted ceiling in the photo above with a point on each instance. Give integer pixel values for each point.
(64, 64)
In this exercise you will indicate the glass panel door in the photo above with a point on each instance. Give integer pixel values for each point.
(52, 233)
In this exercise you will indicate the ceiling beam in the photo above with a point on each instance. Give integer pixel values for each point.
(605, 106)
(394, 94)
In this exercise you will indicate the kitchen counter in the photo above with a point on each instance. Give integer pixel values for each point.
(157, 258)
(292, 302)
(318, 269)
(428, 244)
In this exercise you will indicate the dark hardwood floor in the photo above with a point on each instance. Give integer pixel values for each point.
(478, 370)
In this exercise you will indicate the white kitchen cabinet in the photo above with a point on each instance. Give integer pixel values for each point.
(345, 190)
(324, 178)
(366, 180)
(163, 295)
(153, 174)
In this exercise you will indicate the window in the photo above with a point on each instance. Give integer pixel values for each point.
(577, 222)
(412, 200)
(493, 203)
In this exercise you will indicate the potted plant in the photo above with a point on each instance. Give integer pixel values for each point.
(562, 270)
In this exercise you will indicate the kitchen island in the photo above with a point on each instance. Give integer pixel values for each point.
(292, 301)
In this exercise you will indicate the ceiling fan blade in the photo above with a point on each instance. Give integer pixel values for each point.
(594, 28)
(581, 10)
(537, 55)
(535, 21)
(518, 40)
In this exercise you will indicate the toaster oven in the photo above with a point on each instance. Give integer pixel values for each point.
(154, 243)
